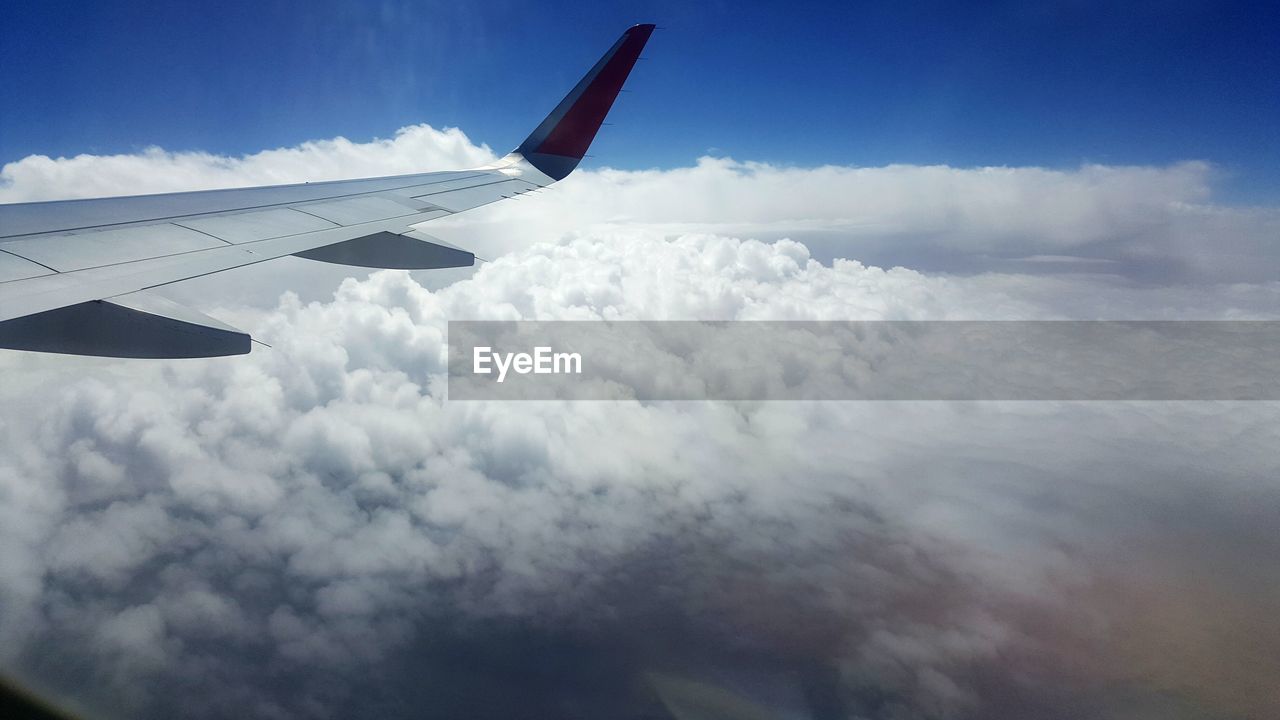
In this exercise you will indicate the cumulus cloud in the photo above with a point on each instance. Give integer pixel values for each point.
(316, 530)
(1153, 224)
(1143, 223)
(155, 170)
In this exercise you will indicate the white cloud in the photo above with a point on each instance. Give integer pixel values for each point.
(313, 527)
(1151, 223)
(413, 148)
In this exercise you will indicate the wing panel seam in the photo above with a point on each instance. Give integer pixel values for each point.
(21, 257)
(339, 225)
(472, 187)
(202, 232)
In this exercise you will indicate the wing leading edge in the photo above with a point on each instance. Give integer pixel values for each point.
(74, 274)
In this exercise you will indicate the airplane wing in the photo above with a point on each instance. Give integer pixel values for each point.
(74, 274)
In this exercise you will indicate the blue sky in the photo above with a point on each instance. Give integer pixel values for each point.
(1044, 83)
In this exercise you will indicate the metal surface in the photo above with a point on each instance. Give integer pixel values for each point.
(257, 225)
(24, 297)
(88, 249)
(466, 199)
(352, 211)
(64, 215)
(13, 267)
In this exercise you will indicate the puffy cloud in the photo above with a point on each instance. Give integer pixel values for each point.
(1146, 223)
(315, 530)
(1152, 224)
(39, 177)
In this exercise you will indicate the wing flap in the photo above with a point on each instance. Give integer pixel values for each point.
(133, 326)
(392, 250)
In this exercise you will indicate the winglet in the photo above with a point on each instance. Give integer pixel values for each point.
(556, 147)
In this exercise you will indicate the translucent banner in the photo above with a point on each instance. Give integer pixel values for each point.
(872, 360)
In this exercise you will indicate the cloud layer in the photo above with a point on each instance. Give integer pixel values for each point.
(314, 530)
(1153, 224)
(155, 170)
